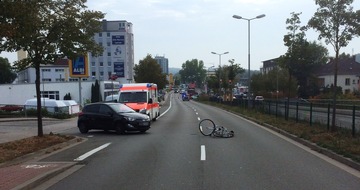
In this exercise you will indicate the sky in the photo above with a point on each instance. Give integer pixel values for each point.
(183, 30)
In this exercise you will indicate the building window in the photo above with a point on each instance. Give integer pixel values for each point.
(59, 70)
(347, 81)
(100, 34)
(73, 79)
(108, 44)
(108, 34)
(93, 64)
(55, 95)
(100, 43)
(109, 63)
(60, 80)
(45, 70)
(354, 82)
(101, 64)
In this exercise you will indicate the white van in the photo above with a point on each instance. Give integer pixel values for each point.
(112, 98)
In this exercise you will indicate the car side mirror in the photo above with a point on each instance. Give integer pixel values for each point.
(143, 111)
(150, 101)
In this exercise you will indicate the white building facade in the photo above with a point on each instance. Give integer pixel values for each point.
(117, 38)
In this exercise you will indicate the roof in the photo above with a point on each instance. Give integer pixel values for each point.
(346, 66)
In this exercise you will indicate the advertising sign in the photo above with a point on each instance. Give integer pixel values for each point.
(79, 67)
(118, 40)
(119, 69)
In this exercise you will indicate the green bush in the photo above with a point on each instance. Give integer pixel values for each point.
(33, 112)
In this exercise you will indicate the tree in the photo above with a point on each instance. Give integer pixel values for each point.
(272, 84)
(6, 73)
(193, 71)
(67, 96)
(337, 24)
(95, 92)
(50, 30)
(301, 57)
(149, 71)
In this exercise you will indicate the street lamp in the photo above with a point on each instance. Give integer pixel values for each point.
(206, 78)
(257, 17)
(219, 54)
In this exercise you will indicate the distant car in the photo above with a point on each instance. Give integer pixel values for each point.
(259, 98)
(11, 108)
(185, 97)
(112, 116)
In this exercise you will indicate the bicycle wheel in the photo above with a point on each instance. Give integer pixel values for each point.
(206, 127)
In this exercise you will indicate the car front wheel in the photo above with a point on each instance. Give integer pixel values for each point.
(120, 130)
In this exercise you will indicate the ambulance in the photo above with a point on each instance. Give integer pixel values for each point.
(141, 97)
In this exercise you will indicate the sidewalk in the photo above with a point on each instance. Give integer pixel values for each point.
(27, 172)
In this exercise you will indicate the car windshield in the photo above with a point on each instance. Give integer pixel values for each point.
(121, 108)
(132, 97)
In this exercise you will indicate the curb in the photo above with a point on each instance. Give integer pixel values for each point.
(316, 148)
(309, 144)
(33, 158)
(37, 181)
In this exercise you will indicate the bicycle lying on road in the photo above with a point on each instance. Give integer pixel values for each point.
(208, 128)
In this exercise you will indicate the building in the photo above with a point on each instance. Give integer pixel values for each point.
(269, 65)
(348, 76)
(164, 64)
(117, 38)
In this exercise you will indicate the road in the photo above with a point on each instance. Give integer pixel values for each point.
(174, 155)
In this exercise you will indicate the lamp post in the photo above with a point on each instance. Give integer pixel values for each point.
(257, 17)
(219, 54)
(43, 83)
(206, 79)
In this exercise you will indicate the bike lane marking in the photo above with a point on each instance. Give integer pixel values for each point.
(84, 156)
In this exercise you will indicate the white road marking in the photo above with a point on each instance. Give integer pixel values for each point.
(203, 153)
(84, 156)
(38, 166)
(199, 118)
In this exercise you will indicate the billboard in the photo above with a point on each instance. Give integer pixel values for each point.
(79, 67)
(119, 69)
(118, 40)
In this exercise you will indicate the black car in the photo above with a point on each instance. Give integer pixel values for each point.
(112, 116)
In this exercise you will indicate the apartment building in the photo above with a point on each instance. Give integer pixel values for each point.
(117, 38)
(164, 63)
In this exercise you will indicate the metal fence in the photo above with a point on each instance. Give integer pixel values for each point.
(347, 116)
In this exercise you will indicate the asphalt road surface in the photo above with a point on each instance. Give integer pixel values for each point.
(174, 155)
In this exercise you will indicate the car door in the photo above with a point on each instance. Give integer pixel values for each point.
(106, 117)
(91, 113)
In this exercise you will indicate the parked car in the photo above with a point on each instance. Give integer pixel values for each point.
(259, 98)
(112, 116)
(11, 108)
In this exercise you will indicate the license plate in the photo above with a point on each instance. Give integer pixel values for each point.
(144, 123)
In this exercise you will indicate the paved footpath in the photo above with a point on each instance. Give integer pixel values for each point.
(27, 172)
